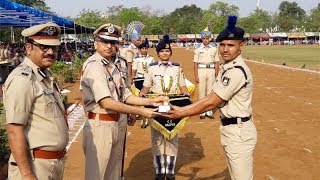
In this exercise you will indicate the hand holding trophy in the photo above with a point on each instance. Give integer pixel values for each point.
(166, 84)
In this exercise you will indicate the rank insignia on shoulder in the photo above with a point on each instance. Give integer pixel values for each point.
(175, 64)
(225, 81)
(153, 64)
(104, 62)
(48, 91)
(25, 71)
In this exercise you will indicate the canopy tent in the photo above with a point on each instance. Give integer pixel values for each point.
(311, 34)
(17, 15)
(296, 35)
(260, 36)
(186, 37)
(150, 37)
(278, 35)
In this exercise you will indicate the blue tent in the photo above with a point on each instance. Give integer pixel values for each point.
(14, 14)
(17, 15)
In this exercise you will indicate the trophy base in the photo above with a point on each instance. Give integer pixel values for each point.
(164, 108)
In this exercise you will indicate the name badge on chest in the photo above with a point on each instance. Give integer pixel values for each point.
(48, 91)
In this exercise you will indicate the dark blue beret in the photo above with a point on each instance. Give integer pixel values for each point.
(164, 43)
(231, 32)
(145, 43)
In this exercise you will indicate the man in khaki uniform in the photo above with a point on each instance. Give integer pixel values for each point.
(164, 151)
(35, 114)
(206, 67)
(232, 93)
(106, 102)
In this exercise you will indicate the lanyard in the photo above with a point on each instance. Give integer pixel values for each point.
(105, 63)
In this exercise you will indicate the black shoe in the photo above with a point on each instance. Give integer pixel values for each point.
(170, 177)
(202, 117)
(159, 177)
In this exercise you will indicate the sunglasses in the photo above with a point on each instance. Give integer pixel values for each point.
(45, 48)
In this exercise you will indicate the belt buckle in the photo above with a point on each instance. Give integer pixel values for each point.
(207, 65)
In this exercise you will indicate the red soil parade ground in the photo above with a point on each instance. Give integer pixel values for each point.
(286, 111)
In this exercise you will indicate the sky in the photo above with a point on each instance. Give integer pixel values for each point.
(72, 8)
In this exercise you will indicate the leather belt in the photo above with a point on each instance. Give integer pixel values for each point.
(43, 154)
(234, 120)
(104, 117)
(206, 65)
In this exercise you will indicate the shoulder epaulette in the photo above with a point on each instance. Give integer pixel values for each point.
(153, 64)
(26, 70)
(243, 71)
(175, 64)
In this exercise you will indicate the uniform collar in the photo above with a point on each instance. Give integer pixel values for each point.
(165, 63)
(205, 46)
(101, 59)
(232, 63)
(40, 74)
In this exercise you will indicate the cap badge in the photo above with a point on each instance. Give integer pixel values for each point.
(111, 29)
(231, 35)
(50, 30)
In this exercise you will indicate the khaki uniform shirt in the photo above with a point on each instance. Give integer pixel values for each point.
(141, 64)
(100, 80)
(123, 51)
(33, 100)
(158, 70)
(122, 65)
(132, 52)
(232, 86)
(205, 54)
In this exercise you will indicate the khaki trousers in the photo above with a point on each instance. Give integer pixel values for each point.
(162, 146)
(44, 169)
(239, 141)
(103, 148)
(206, 80)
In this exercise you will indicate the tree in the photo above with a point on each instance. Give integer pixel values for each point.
(90, 18)
(182, 20)
(313, 23)
(112, 14)
(38, 4)
(258, 21)
(217, 15)
(291, 16)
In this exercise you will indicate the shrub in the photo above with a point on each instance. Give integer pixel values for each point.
(4, 146)
(58, 67)
(77, 65)
(69, 76)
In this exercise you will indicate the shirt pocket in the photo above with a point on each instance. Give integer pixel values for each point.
(51, 108)
(202, 55)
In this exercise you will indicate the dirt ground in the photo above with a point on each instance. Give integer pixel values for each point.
(286, 112)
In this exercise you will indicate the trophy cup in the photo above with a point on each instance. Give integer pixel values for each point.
(166, 84)
(144, 66)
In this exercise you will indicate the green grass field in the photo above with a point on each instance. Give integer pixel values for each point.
(295, 56)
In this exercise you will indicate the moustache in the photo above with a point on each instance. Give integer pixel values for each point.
(50, 56)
